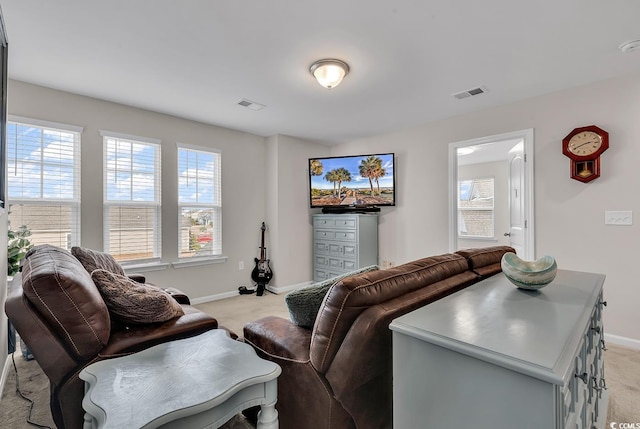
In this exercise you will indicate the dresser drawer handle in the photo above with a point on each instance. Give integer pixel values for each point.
(599, 386)
(596, 329)
(602, 345)
(603, 303)
(584, 377)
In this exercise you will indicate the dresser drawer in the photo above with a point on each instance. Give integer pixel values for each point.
(346, 223)
(324, 234)
(339, 222)
(323, 223)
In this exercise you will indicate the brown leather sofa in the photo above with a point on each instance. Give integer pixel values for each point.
(61, 316)
(339, 375)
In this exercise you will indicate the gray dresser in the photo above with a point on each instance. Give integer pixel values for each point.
(343, 243)
(493, 356)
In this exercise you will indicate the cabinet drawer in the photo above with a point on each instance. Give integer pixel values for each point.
(344, 250)
(324, 234)
(341, 222)
(345, 235)
(321, 247)
(345, 223)
(321, 261)
(349, 265)
(320, 274)
(336, 264)
(324, 223)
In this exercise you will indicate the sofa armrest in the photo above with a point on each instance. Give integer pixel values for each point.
(137, 277)
(178, 295)
(279, 338)
(134, 338)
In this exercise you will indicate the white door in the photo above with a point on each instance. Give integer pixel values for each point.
(516, 201)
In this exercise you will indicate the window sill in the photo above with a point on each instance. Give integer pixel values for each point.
(142, 268)
(470, 237)
(184, 263)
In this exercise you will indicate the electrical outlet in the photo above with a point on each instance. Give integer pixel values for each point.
(623, 217)
(241, 265)
(387, 264)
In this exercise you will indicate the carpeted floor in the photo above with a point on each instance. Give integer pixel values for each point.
(622, 370)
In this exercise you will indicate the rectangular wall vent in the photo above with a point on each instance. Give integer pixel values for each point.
(251, 104)
(470, 93)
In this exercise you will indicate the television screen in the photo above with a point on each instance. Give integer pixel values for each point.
(352, 181)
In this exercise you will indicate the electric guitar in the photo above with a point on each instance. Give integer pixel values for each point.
(262, 273)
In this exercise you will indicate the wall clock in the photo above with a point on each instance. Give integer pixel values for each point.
(584, 146)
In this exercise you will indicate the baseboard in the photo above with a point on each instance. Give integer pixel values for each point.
(622, 341)
(5, 373)
(282, 289)
(215, 297)
(273, 289)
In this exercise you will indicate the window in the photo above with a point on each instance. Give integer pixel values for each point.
(43, 180)
(475, 208)
(199, 202)
(131, 197)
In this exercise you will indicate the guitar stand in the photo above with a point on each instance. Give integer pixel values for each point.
(260, 289)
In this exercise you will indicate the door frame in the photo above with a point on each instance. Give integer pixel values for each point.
(529, 234)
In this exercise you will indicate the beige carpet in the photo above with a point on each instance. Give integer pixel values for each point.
(622, 370)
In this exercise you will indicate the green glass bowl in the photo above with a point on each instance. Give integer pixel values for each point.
(530, 275)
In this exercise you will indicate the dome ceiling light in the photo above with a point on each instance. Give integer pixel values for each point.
(329, 72)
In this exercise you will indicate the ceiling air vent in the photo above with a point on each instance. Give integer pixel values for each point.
(469, 93)
(251, 104)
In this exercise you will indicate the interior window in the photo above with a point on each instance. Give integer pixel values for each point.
(475, 208)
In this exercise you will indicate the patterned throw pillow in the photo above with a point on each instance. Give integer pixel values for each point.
(304, 304)
(93, 260)
(132, 302)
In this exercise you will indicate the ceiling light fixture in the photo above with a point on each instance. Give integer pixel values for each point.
(630, 46)
(466, 150)
(329, 72)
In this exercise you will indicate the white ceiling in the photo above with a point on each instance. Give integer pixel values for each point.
(198, 58)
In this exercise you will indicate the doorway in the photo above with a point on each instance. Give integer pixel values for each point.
(491, 195)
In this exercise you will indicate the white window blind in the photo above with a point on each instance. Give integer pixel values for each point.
(476, 208)
(131, 197)
(200, 202)
(43, 180)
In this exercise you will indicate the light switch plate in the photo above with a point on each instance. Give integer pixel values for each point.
(621, 217)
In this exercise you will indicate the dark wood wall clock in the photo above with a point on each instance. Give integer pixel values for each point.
(584, 146)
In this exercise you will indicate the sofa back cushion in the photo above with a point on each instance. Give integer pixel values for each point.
(61, 290)
(485, 261)
(351, 296)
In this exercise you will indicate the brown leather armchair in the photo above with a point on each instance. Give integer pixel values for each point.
(338, 375)
(61, 316)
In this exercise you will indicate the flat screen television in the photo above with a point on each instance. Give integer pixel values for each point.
(347, 183)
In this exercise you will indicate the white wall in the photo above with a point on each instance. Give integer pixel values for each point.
(569, 215)
(243, 179)
(288, 209)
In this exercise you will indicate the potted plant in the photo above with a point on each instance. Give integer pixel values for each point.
(18, 246)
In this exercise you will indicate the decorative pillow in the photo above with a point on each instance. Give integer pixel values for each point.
(132, 302)
(93, 260)
(304, 304)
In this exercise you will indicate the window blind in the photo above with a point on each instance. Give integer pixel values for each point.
(43, 180)
(132, 197)
(199, 201)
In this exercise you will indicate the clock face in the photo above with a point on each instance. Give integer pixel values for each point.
(585, 143)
